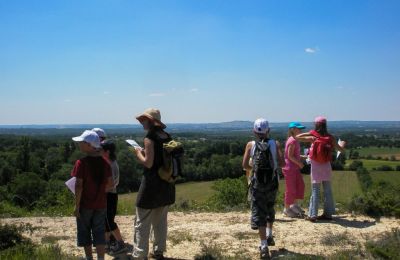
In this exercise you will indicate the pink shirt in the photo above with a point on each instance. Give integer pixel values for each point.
(320, 171)
(289, 165)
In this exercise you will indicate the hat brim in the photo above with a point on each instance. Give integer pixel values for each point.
(299, 127)
(156, 122)
(77, 139)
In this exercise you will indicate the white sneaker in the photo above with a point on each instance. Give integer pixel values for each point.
(290, 213)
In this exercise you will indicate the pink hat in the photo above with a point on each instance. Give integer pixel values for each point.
(320, 119)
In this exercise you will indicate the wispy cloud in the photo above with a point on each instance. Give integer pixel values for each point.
(194, 90)
(159, 94)
(311, 50)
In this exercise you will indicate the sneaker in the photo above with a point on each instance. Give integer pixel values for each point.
(157, 255)
(264, 253)
(299, 208)
(118, 248)
(324, 217)
(107, 247)
(270, 240)
(311, 219)
(290, 213)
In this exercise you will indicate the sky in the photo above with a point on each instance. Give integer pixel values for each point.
(97, 61)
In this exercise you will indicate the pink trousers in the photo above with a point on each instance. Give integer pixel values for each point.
(294, 186)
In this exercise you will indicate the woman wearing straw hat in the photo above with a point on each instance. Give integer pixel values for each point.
(155, 195)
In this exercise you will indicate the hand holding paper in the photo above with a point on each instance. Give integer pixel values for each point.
(133, 143)
(341, 144)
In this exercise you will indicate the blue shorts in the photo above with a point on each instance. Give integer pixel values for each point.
(91, 223)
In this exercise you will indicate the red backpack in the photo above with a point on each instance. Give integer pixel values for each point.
(322, 148)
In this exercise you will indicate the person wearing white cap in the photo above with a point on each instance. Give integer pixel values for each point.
(265, 157)
(93, 179)
(101, 133)
(155, 195)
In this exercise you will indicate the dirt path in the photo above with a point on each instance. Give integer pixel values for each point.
(229, 233)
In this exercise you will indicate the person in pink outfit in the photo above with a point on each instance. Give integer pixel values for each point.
(294, 184)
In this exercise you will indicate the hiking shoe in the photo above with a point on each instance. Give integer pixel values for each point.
(264, 253)
(118, 248)
(157, 256)
(324, 217)
(270, 240)
(290, 213)
(299, 208)
(311, 219)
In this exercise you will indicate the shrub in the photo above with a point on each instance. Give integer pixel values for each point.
(384, 168)
(382, 199)
(11, 235)
(230, 193)
(387, 247)
(355, 165)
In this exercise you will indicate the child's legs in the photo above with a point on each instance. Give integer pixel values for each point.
(329, 204)
(84, 236)
(314, 200)
(290, 188)
(142, 233)
(160, 229)
(299, 186)
(98, 230)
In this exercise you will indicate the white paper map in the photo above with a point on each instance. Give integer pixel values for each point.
(133, 143)
(71, 184)
(340, 143)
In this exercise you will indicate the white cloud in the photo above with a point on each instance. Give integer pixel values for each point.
(311, 50)
(159, 94)
(194, 90)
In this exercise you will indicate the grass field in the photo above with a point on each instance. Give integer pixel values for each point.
(384, 152)
(370, 164)
(344, 184)
(191, 191)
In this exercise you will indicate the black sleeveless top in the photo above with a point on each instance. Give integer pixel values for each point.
(153, 191)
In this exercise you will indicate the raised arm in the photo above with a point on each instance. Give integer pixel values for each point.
(146, 156)
(339, 147)
(305, 137)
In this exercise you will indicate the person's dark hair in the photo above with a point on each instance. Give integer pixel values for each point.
(109, 146)
(96, 165)
(321, 128)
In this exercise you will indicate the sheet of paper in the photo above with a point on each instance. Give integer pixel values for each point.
(71, 184)
(133, 143)
(340, 143)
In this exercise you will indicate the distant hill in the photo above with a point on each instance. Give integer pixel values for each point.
(68, 129)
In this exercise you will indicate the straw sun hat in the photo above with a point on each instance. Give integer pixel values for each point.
(153, 115)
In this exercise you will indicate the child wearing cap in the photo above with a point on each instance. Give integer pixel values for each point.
(265, 158)
(321, 170)
(93, 178)
(294, 184)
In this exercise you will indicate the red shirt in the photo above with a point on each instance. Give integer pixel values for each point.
(94, 194)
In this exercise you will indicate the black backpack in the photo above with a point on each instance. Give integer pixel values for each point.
(263, 162)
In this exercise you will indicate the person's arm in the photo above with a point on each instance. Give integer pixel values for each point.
(246, 157)
(291, 157)
(280, 157)
(305, 138)
(146, 156)
(115, 170)
(78, 195)
(109, 184)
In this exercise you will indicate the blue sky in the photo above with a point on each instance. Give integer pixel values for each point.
(198, 61)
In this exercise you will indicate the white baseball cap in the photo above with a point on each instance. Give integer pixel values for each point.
(100, 132)
(261, 126)
(90, 137)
